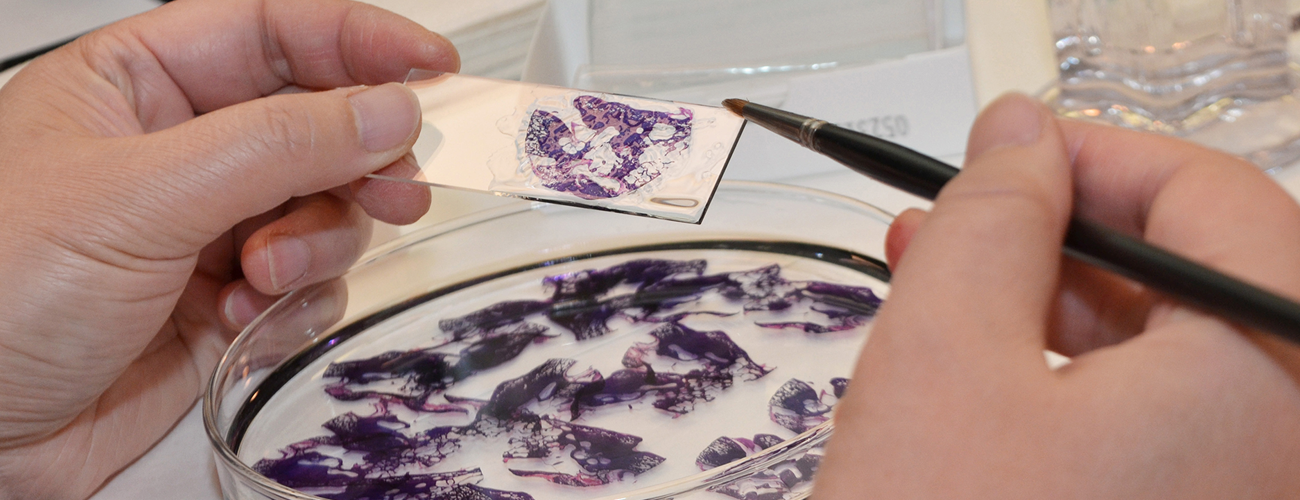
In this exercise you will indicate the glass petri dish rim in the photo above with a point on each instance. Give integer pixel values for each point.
(808, 439)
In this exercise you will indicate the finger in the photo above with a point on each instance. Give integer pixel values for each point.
(241, 303)
(1208, 206)
(1094, 308)
(390, 201)
(900, 234)
(1160, 188)
(216, 54)
(957, 348)
(308, 312)
(247, 159)
(319, 238)
(245, 230)
(975, 285)
(1118, 172)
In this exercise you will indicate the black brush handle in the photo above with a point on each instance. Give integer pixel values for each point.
(1097, 245)
(1187, 281)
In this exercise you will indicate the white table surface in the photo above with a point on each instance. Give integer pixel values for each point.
(1010, 49)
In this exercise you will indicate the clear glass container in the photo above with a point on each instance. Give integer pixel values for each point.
(704, 52)
(1214, 72)
(266, 395)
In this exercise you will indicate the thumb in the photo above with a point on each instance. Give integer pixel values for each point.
(976, 283)
(246, 159)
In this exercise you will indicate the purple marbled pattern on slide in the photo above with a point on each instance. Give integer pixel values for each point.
(621, 149)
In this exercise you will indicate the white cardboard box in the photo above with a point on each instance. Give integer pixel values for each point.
(925, 101)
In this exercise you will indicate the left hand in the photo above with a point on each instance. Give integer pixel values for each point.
(162, 180)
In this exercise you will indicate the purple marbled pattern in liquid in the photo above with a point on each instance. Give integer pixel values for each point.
(774, 483)
(795, 406)
(380, 457)
(799, 407)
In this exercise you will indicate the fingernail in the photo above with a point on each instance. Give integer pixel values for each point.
(1011, 120)
(287, 257)
(387, 115)
(240, 309)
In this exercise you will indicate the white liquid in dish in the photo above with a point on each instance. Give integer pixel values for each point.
(295, 413)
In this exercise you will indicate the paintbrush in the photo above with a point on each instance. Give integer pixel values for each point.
(921, 175)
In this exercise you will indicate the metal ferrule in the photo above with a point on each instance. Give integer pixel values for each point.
(808, 130)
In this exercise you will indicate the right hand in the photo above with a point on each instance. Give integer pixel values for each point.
(951, 397)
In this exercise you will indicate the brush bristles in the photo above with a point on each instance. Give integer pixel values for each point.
(736, 106)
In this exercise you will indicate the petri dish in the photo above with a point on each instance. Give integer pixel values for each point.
(549, 352)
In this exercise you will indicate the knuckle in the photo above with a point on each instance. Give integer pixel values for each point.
(287, 131)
